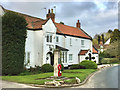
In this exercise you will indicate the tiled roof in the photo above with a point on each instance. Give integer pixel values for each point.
(83, 52)
(36, 23)
(33, 22)
(94, 51)
(64, 29)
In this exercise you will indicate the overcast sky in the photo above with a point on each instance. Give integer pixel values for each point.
(95, 17)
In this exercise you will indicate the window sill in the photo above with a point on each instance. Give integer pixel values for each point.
(70, 61)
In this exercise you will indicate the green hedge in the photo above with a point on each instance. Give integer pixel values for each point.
(77, 66)
(47, 68)
(88, 64)
(109, 60)
(62, 67)
(13, 43)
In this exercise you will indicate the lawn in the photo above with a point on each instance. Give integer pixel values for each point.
(35, 79)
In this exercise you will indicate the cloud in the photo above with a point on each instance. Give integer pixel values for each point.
(95, 17)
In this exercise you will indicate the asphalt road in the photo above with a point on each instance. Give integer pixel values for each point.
(106, 78)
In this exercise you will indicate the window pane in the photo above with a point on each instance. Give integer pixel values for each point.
(70, 57)
(70, 41)
(66, 57)
(47, 38)
(82, 42)
(28, 57)
(57, 40)
(63, 57)
(50, 38)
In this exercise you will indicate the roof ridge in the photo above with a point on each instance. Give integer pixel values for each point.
(21, 13)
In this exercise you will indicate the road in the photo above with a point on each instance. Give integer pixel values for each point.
(106, 78)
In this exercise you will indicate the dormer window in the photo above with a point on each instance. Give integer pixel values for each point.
(49, 38)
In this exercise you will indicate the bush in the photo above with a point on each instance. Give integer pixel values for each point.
(88, 64)
(47, 68)
(62, 67)
(77, 66)
(13, 43)
(109, 60)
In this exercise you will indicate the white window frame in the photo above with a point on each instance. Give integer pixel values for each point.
(57, 39)
(63, 56)
(82, 42)
(27, 58)
(49, 38)
(70, 57)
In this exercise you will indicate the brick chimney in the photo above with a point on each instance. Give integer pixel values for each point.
(51, 15)
(78, 24)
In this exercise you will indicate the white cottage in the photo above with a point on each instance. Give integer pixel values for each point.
(43, 36)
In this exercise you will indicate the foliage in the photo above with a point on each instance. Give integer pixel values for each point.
(115, 35)
(39, 78)
(113, 49)
(103, 38)
(13, 43)
(76, 66)
(62, 23)
(62, 67)
(47, 68)
(104, 54)
(88, 64)
(109, 31)
(99, 39)
(109, 60)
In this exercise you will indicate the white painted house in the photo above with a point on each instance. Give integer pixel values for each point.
(44, 36)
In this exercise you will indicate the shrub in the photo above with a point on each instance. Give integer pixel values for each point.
(62, 67)
(88, 64)
(109, 60)
(47, 68)
(77, 66)
(13, 43)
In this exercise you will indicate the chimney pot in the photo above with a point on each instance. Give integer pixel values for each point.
(51, 15)
(51, 10)
(78, 24)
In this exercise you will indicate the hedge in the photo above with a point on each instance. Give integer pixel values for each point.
(13, 43)
(76, 66)
(88, 64)
(47, 68)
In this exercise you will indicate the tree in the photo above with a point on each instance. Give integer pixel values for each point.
(13, 43)
(103, 38)
(62, 23)
(115, 35)
(98, 39)
(109, 31)
(114, 49)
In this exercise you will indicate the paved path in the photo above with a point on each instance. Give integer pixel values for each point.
(105, 78)
(7, 84)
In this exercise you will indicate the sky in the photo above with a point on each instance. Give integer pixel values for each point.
(95, 17)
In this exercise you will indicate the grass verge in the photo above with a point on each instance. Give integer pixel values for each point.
(35, 79)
